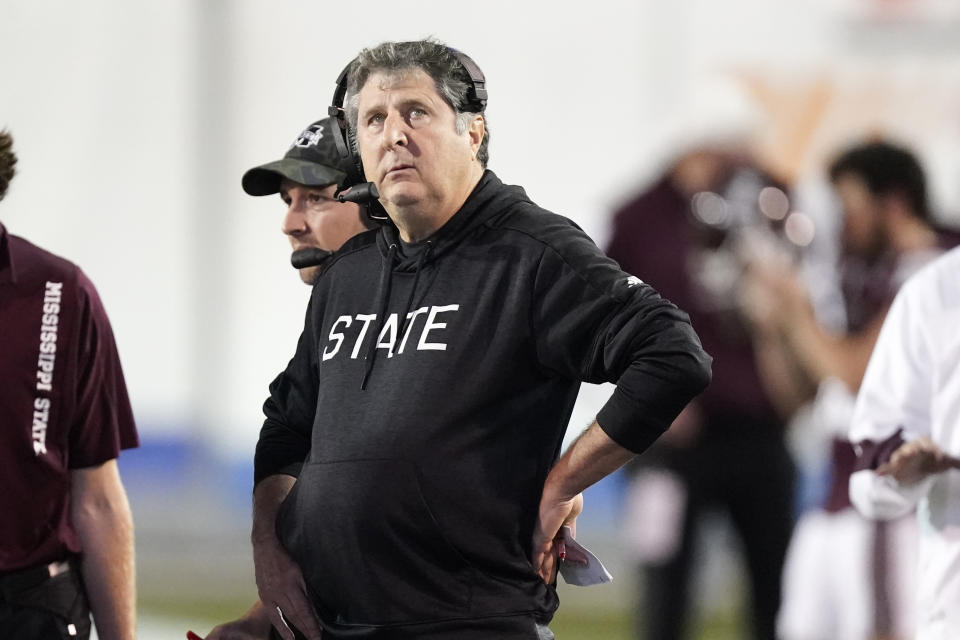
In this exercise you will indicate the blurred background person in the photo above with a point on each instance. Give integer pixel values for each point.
(847, 577)
(906, 424)
(684, 235)
(316, 225)
(66, 532)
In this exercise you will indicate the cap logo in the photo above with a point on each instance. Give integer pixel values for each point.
(310, 137)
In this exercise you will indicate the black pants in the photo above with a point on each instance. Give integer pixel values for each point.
(55, 608)
(744, 470)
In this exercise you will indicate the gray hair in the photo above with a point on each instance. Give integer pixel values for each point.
(437, 60)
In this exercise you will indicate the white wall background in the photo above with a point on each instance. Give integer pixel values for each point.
(134, 122)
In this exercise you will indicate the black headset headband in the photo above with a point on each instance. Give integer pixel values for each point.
(476, 101)
(477, 91)
(351, 166)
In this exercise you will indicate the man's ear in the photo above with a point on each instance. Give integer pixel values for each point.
(477, 128)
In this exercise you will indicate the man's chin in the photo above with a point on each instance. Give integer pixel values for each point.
(402, 195)
(309, 275)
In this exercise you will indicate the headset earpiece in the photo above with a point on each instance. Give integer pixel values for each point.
(477, 91)
(362, 191)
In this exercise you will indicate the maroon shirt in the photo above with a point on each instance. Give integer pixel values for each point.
(63, 400)
(654, 238)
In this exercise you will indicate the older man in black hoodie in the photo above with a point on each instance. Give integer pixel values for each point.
(407, 474)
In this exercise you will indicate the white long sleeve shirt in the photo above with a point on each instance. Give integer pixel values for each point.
(912, 387)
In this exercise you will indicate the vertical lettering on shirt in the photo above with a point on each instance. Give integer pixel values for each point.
(337, 337)
(46, 359)
(366, 319)
(391, 326)
(431, 324)
(412, 317)
(41, 416)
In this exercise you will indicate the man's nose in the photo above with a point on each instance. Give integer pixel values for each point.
(395, 129)
(294, 222)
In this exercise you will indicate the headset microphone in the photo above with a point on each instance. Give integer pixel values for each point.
(303, 258)
(359, 193)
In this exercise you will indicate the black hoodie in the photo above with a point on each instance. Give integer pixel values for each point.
(424, 452)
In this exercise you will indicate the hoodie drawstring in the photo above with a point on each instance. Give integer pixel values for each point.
(416, 279)
(384, 295)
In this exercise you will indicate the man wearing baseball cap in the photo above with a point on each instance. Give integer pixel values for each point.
(306, 179)
(317, 225)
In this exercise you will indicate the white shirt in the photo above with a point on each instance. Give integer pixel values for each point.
(913, 383)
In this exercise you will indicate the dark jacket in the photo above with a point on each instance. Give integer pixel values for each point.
(424, 452)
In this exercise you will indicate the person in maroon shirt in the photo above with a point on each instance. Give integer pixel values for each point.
(66, 533)
(726, 449)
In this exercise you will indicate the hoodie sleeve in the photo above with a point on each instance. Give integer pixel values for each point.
(290, 409)
(596, 323)
(893, 405)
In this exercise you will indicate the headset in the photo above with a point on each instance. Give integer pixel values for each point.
(355, 187)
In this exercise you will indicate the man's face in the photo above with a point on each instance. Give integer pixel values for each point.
(863, 227)
(315, 220)
(408, 142)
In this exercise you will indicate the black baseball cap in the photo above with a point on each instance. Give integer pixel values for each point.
(311, 160)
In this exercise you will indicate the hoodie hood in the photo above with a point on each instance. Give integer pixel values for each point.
(489, 199)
